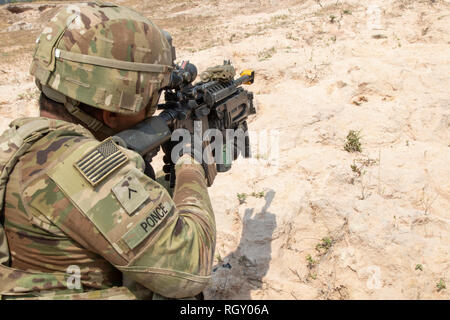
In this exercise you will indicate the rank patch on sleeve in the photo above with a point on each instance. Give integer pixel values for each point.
(99, 163)
(130, 193)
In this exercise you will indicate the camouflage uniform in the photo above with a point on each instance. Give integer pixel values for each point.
(72, 200)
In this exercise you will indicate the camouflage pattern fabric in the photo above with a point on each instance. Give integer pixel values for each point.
(115, 293)
(13, 144)
(87, 43)
(55, 218)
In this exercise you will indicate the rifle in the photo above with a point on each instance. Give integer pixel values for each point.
(218, 101)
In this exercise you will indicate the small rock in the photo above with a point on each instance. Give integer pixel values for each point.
(17, 9)
(20, 26)
(359, 100)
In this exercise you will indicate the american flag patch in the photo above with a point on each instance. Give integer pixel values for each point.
(99, 163)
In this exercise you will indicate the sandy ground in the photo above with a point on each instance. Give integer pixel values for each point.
(317, 222)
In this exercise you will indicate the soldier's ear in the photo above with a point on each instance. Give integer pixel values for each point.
(110, 119)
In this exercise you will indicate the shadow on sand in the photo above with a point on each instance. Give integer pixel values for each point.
(242, 271)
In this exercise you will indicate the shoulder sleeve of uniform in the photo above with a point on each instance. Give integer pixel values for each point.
(178, 264)
(106, 184)
(167, 248)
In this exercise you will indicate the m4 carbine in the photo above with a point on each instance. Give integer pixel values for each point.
(218, 101)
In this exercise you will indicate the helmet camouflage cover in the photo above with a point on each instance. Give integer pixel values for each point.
(105, 56)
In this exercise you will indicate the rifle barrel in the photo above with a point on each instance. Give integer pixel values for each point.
(241, 80)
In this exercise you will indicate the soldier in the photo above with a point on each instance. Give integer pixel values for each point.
(76, 202)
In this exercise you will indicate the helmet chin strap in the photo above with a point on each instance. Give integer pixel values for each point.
(72, 107)
(92, 123)
(153, 105)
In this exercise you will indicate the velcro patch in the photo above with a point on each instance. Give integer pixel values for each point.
(100, 162)
(147, 225)
(130, 193)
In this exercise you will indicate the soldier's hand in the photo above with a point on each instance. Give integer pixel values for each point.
(195, 148)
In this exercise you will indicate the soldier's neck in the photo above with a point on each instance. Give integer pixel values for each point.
(49, 115)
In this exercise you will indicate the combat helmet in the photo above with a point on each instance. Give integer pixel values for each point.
(103, 55)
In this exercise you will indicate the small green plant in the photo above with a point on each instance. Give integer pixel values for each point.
(311, 266)
(241, 197)
(278, 17)
(219, 257)
(441, 285)
(332, 19)
(353, 144)
(419, 267)
(266, 54)
(29, 94)
(325, 244)
(356, 169)
(289, 36)
(258, 194)
(311, 261)
(346, 11)
(359, 168)
(333, 38)
(361, 163)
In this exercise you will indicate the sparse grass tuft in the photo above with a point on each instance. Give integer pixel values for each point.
(353, 143)
(219, 257)
(28, 95)
(361, 163)
(311, 266)
(311, 261)
(266, 54)
(441, 285)
(324, 245)
(278, 17)
(289, 36)
(356, 169)
(419, 267)
(242, 197)
(258, 194)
